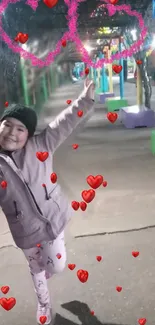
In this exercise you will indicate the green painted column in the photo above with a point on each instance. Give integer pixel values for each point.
(153, 142)
(57, 78)
(49, 83)
(44, 87)
(39, 98)
(52, 77)
(24, 83)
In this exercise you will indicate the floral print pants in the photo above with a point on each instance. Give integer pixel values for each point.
(45, 261)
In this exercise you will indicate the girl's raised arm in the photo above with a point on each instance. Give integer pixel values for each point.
(66, 122)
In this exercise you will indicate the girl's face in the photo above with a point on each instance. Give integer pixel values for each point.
(13, 134)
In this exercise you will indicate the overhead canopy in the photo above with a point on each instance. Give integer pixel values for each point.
(55, 18)
(52, 23)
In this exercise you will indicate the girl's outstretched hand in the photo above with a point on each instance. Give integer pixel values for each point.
(89, 86)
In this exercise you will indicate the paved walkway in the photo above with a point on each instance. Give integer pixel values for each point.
(127, 204)
(122, 156)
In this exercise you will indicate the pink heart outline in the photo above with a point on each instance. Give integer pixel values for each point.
(125, 53)
(32, 3)
(111, 10)
(27, 55)
(71, 35)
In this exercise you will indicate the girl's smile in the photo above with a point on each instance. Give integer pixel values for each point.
(13, 134)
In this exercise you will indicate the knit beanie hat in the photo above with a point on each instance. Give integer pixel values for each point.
(24, 114)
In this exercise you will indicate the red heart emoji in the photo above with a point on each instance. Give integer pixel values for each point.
(80, 113)
(38, 245)
(139, 62)
(92, 312)
(43, 319)
(95, 181)
(75, 205)
(119, 289)
(99, 258)
(8, 303)
(135, 254)
(142, 321)
(71, 266)
(50, 3)
(113, 2)
(75, 146)
(112, 117)
(104, 183)
(5, 289)
(87, 71)
(22, 38)
(58, 256)
(88, 195)
(53, 178)
(4, 184)
(6, 104)
(63, 43)
(117, 68)
(68, 101)
(16, 39)
(83, 206)
(42, 156)
(82, 275)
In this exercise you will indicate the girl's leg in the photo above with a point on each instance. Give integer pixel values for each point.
(46, 260)
(37, 270)
(54, 255)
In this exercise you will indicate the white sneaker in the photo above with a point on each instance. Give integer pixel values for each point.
(44, 311)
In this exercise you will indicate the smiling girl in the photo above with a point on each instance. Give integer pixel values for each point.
(37, 211)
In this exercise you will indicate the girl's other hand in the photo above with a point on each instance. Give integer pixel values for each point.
(89, 86)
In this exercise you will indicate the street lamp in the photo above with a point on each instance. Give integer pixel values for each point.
(134, 34)
(24, 47)
(153, 42)
(88, 48)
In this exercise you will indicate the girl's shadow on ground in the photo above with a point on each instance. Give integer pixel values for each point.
(82, 311)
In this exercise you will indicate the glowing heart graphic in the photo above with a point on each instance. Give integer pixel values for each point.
(27, 55)
(43, 319)
(6, 104)
(135, 253)
(75, 205)
(112, 117)
(142, 321)
(71, 266)
(104, 183)
(83, 206)
(111, 10)
(95, 181)
(75, 146)
(5, 289)
(83, 275)
(113, 2)
(125, 53)
(139, 62)
(117, 68)
(3, 184)
(42, 156)
(88, 195)
(72, 35)
(22, 38)
(50, 3)
(119, 289)
(8, 303)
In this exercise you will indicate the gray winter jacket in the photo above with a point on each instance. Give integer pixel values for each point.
(35, 213)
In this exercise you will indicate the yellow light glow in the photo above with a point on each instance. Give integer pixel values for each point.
(88, 48)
